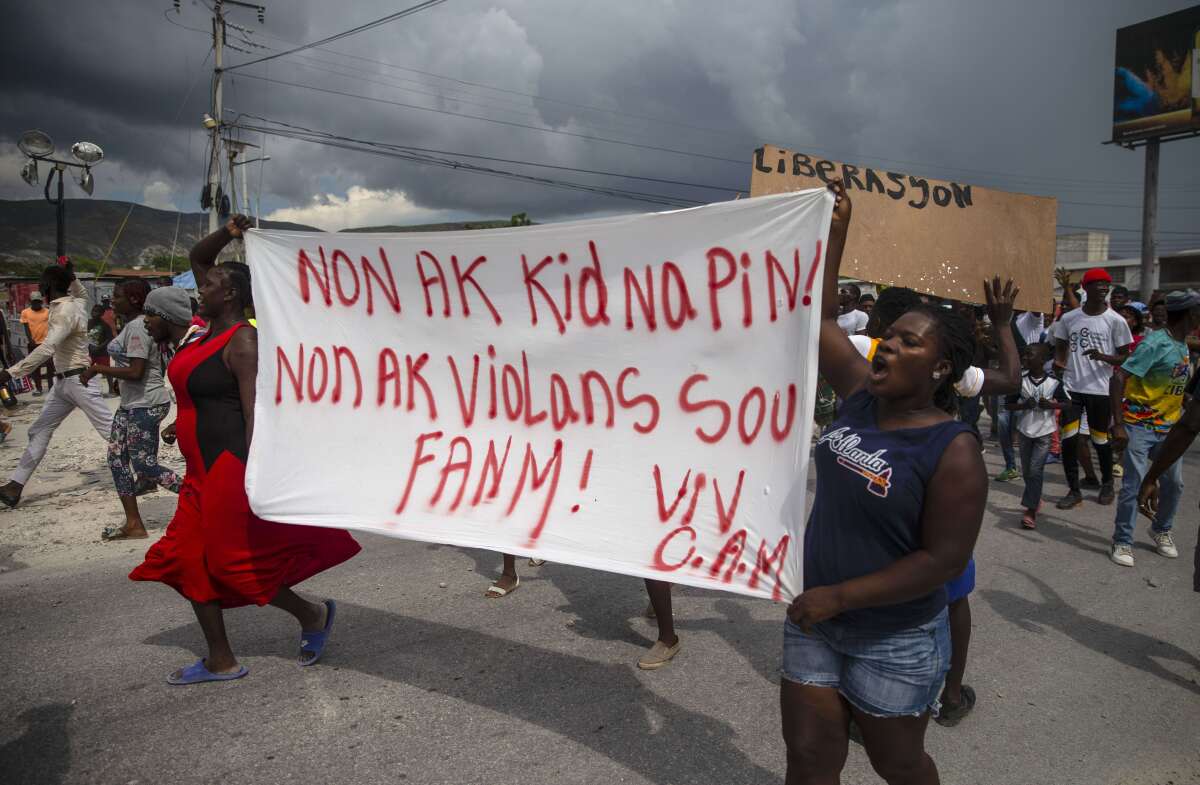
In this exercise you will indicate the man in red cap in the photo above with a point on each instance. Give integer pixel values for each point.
(1086, 342)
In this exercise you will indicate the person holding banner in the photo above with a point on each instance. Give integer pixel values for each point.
(216, 552)
(901, 487)
(958, 699)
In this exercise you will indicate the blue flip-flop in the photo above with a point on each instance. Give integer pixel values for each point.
(198, 673)
(313, 643)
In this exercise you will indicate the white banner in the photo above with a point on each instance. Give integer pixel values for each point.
(630, 394)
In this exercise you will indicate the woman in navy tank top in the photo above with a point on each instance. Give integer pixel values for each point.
(900, 495)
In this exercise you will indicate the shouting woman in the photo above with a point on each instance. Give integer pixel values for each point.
(216, 552)
(899, 501)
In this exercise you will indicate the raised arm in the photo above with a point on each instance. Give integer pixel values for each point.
(1007, 378)
(203, 256)
(1070, 301)
(839, 362)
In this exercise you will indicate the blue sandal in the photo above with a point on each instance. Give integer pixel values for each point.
(312, 644)
(198, 673)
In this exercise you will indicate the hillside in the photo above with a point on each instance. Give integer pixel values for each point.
(27, 232)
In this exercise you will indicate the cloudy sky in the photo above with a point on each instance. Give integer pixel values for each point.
(1014, 95)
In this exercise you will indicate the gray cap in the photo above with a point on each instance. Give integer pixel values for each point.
(35, 296)
(171, 303)
(1182, 301)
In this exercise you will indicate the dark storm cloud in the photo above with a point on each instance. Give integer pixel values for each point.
(1014, 95)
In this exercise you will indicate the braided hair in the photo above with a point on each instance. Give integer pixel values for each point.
(239, 278)
(957, 342)
(136, 292)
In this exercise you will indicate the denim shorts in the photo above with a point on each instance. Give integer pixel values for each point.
(881, 673)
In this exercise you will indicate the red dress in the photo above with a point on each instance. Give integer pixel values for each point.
(215, 549)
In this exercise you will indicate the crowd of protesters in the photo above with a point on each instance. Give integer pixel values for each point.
(877, 642)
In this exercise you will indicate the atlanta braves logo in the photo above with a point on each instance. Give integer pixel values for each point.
(870, 466)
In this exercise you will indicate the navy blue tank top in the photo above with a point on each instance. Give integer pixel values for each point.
(867, 511)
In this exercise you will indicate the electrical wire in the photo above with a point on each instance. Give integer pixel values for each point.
(640, 196)
(415, 9)
(588, 137)
(1033, 181)
(386, 145)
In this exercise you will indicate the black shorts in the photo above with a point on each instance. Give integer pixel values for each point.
(1099, 415)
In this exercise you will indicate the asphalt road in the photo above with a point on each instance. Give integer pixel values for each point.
(1087, 672)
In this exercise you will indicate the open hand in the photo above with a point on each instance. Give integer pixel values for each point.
(1063, 276)
(1000, 300)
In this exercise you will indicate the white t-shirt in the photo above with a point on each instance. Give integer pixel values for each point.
(1036, 423)
(1107, 332)
(968, 386)
(1031, 326)
(852, 322)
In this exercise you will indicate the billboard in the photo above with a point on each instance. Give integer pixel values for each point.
(1157, 81)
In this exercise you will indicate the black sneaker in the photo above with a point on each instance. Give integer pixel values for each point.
(1106, 495)
(1070, 501)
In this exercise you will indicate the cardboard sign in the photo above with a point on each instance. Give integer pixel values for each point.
(631, 394)
(933, 236)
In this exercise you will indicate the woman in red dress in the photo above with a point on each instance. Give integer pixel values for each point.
(215, 552)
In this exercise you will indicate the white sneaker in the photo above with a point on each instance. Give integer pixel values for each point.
(1165, 545)
(1122, 555)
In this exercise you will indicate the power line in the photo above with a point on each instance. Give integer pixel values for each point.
(1112, 229)
(494, 159)
(352, 31)
(1084, 182)
(660, 199)
(587, 137)
(1033, 181)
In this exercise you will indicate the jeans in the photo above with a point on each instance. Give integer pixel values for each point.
(1033, 464)
(1004, 432)
(1143, 446)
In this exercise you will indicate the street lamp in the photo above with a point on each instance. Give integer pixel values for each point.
(38, 146)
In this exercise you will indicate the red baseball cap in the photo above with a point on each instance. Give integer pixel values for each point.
(1096, 274)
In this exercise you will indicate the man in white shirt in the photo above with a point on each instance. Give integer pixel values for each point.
(66, 343)
(1083, 339)
(850, 319)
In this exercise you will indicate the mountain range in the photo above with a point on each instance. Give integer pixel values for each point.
(27, 233)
